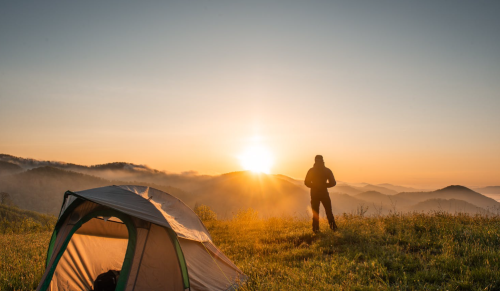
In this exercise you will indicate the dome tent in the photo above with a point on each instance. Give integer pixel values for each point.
(151, 237)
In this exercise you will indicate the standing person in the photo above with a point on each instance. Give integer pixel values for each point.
(319, 178)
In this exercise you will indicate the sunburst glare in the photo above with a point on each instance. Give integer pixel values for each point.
(257, 159)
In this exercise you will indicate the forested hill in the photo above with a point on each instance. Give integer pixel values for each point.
(42, 189)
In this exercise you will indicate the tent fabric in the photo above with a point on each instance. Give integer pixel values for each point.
(71, 268)
(85, 258)
(217, 253)
(159, 268)
(67, 201)
(163, 245)
(98, 227)
(67, 225)
(125, 201)
(96, 247)
(207, 270)
(179, 216)
(157, 207)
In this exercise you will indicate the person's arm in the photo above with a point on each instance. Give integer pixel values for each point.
(308, 181)
(331, 180)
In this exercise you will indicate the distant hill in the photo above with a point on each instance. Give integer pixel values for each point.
(28, 164)
(7, 168)
(372, 196)
(451, 199)
(398, 188)
(387, 202)
(344, 203)
(488, 190)
(292, 180)
(380, 189)
(346, 189)
(130, 172)
(271, 195)
(120, 171)
(41, 184)
(452, 192)
(42, 189)
(268, 194)
(447, 205)
(354, 190)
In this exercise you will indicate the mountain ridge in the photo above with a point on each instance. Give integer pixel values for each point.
(488, 190)
(452, 192)
(269, 194)
(448, 205)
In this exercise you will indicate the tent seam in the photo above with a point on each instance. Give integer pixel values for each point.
(142, 255)
(215, 261)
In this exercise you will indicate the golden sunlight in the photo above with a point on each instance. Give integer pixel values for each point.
(257, 159)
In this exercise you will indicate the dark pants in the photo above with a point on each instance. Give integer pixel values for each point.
(316, 199)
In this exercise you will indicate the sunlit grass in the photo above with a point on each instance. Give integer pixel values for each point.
(396, 252)
(22, 260)
(425, 252)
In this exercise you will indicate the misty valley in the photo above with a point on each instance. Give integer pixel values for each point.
(40, 185)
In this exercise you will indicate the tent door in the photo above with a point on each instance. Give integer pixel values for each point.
(102, 240)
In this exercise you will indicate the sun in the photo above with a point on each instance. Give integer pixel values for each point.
(257, 159)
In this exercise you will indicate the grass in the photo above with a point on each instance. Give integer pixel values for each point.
(22, 260)
(396, 252)
(15, 220)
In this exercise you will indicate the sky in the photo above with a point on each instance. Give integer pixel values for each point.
(404, 92)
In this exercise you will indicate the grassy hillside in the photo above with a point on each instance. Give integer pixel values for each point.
(396, 252)
(15, 220)
(424, 252)
(24, 238)
(22, 260)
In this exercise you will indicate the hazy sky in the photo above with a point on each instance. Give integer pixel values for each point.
(404, 92)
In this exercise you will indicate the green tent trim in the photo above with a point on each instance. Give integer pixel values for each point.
(127, 262)
(173, 236)
(60, 222)
(180, 257)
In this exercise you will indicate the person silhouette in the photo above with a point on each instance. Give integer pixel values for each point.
(319, 178)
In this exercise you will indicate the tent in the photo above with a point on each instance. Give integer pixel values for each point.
(155, 240)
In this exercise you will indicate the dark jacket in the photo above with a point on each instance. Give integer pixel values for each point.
(319, 178)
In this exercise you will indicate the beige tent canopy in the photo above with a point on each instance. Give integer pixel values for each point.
(151, 237)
